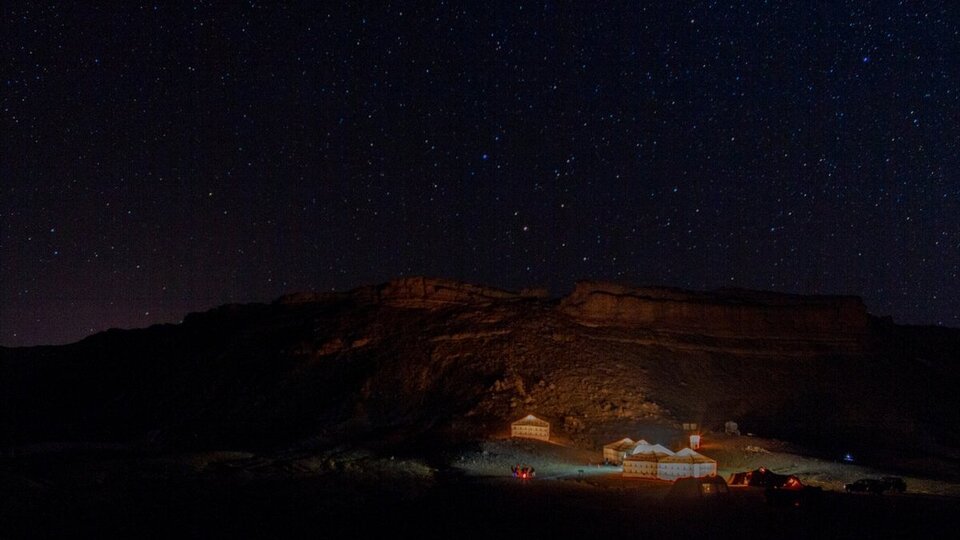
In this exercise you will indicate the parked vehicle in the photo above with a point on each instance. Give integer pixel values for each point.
(895, 483)
(868, 485)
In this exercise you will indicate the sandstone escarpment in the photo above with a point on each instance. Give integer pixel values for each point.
(415, 292)
(422, 292)
(841, 320)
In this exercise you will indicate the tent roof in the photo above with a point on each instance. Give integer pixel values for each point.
(643, 447)
(688, 455)
(649, 452)
(622, 445)
(531, 420)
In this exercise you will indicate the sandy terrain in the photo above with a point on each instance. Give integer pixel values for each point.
(733, 454)
(356, 494)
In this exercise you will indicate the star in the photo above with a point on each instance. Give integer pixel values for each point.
(689, 155)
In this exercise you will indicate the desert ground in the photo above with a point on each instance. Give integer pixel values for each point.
(465, 492)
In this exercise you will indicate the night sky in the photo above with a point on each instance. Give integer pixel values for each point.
(158, 160)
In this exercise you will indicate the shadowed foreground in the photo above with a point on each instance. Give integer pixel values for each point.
(236, 506)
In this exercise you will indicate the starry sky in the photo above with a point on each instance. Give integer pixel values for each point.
(159, 159)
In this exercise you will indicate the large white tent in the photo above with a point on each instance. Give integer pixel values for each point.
(617, 450)
(531, 427)
(686, 463)
(643, 460)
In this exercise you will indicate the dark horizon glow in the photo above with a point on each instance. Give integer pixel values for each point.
(157, 161)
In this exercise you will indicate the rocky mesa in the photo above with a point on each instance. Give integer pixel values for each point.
(421, 357)
(840, 321)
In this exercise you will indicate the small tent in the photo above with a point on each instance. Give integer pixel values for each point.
(764, 477)
(531, 427)
(617, 450)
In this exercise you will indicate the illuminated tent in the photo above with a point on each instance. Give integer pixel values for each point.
(685, 463)
(616, 451)
(763, 477)
(531, 427)
(643, 460)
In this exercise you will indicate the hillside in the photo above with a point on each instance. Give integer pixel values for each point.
(421, 360)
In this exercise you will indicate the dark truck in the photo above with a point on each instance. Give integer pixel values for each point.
(873, 485)
(896, 483)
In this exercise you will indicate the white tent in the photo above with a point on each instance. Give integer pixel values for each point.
(616, 451)
(686, 463)
(531, 427)
(643, 460)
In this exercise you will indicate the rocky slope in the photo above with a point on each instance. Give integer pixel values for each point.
(437, 360)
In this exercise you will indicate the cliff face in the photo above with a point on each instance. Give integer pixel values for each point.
(725, 313)
(415, 293)
(838, 321)
(421, 292)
